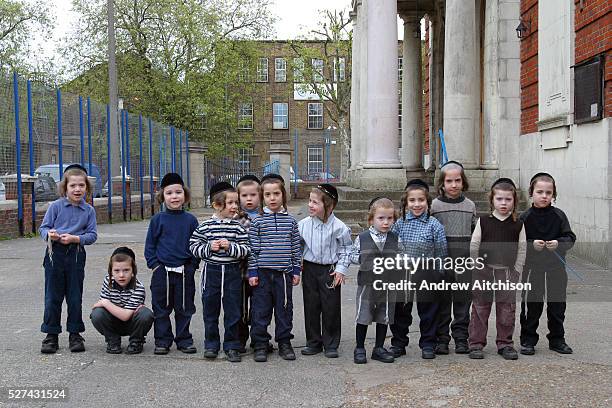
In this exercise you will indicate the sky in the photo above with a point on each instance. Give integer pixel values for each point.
(293, 18)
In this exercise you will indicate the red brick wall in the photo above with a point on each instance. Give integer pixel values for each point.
(529, 68)
(593, 27)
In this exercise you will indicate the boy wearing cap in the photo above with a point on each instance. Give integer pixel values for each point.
(121, 310)
(326, 244)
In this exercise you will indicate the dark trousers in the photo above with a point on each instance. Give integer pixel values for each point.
(321, 306)
(167, 297)
(64, 276)
(427, 308)
(459, 303)
(245, 314)
(112, 328)
(221, 283)
(554, 284)
(269, 296)
(482, 303)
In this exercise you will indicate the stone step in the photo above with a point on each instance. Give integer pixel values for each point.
(348, 194)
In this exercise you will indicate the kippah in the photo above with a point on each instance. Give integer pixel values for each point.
(329, 190)
(75, 166)
(452, 162)
(535, 176)
(373, 201)
(273, 176)
(219, 187)
(171, 178)
(417, 182)
(249, 177)
(124, 250)
(503, 180)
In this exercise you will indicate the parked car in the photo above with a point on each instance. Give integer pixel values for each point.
(322, 176)
(293, 180)
(53, 171)
(45, 188)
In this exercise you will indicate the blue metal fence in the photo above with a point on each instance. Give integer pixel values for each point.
(64, 128)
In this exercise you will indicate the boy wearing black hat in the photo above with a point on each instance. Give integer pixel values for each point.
(326, 246)
(168, 255)
(121, 310)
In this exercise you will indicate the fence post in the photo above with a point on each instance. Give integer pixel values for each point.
(140, 166)
(151, 167)
(181, 152)
(82, 133)
(89, 138)
(31, 152)
(123, 152)
(187, 148)
(18, 153)
(59, 132)
(173, 150)
(295, 164)
(108, 166)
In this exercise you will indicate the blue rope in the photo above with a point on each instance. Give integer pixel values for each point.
(575, 273)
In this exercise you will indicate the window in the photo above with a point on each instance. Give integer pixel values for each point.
(339, 69)
(280, 70)
(315, 116)
(280, 116)
(317, 70)
(243, 71)
(200, 122)
(400, 64)
(298, 70)
(315, 160)
(245, 116)
(262, 70)
(244, 158)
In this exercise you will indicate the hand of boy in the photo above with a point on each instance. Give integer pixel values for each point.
(69, 239)
(224, 243)
(338, 278)
(100, 303)
(215, 245)
(552, 245)
(296, 280)
(539, 244)
(253, 281)
(53, 235)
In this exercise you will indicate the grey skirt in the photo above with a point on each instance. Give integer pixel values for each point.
(374, 306)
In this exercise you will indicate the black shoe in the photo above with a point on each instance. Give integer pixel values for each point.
(508, 353)
(331, 353)
(428, 353)
(161, 350)
(476, 354)
(49, 344)
(260, 355)
(441, 349)
(286, 351)
(242, 350)
(359, 356)
(397, 352)
(311, 351)
(233, 356)
(211, 353)
(188, 349)
(113, 347)
(135, 347)
(461, 347)
(561, 348)
(381, 354)
(76, 343)
(270, 348)
(527, 350)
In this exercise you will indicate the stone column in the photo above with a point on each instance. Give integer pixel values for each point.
(196, 175)
(412, 100)
(355, 63)
(461, 83)
(362, 24)
(382, 169)
(27, 186)
(282, 154)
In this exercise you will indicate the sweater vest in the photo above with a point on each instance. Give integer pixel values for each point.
(369, 251)
(499, 241)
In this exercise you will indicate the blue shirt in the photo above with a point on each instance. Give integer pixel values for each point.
(421, 236)
(67, 218)
(168, 238)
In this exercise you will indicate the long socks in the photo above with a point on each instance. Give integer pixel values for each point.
(362, 330)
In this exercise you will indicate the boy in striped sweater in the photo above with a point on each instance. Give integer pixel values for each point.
(221, 242)
(274, 265)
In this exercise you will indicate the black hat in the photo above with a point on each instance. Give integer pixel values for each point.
(535, 176)
(373, 201)
(503, 180)
(75, 166)
(417, 182)
(219, 187)
(273, 176)
(171, 178)
(452, 162)
(249, 177)
(329, 190)
(124, 250)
